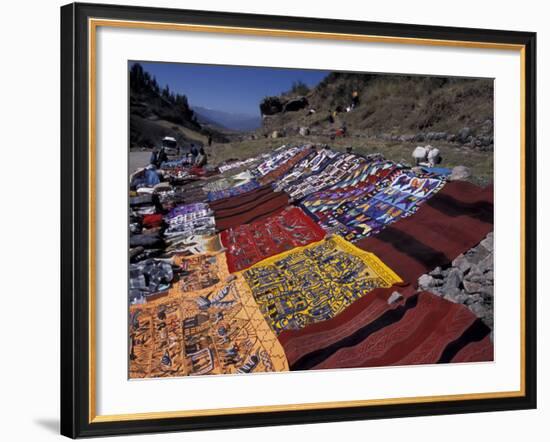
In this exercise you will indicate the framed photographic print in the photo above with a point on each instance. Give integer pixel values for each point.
(275, 220)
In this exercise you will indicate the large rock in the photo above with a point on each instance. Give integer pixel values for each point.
(295, 104)
(271, 106)
(464, 135)
(454, 278)
(462, 263)
(488, 242)
(426, 282)
(472, 287)
(460, 173)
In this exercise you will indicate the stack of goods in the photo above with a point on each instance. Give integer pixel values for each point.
(304, 258)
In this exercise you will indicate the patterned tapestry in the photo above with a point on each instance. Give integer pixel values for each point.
(248, 244)
(336, 170)
(314, 283)
(279, 157)
(233, 191)
(309, 166)
(208, 324)
(358, 218)
(360, 184)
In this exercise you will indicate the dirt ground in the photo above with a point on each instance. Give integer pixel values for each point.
(137, 159)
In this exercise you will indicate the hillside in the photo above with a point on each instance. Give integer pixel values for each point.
(390, 107)
(156, 113)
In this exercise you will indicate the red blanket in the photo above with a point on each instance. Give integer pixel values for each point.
(452, 222)
(247, 212)
(248, 244)
(419, 329)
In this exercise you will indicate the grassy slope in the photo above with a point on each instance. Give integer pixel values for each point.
(480, 163)
(396, 105)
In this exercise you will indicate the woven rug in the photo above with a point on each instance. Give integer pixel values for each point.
(265, 205)
(248, 244)
(336, 170)
(364, 216)
(233, 191)
(276, 159)
(308, 166)
(217, 329)
(285, 167)
(314, 283)
(373, 331)
(329, 206)
(456, 219)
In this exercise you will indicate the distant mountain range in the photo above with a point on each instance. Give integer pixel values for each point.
(226, 120)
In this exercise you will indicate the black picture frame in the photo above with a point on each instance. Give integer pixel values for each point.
(75, 221)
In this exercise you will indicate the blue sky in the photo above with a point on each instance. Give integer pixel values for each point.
(232, 89)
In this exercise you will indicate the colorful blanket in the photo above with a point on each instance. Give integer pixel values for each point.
(233, 191)
(213, 329)
(373, 331)
(327, 206)
(248, 244)
(314, 283)
(361, 217)
(456, 219)
(310, 165)
(334, 171)
(279, 157)
(285, 167)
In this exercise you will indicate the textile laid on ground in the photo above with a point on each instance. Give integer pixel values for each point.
(209, 326)
(456, 219)
(310, 165)
(279, 157)
(314, 283)
(234, 201)
(285, 167)
(233, 191)
(420, 329)
(334, 171)
(331, 205)
(149, 277)
(236, 164)
(236, 214)
(193, 245)
(189, 220)
(248, 244)
(364, 216)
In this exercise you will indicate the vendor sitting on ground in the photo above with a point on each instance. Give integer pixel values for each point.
(427, 156)
(145, 177)
(158, 157)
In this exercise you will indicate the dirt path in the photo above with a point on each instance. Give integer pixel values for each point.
(137, 159)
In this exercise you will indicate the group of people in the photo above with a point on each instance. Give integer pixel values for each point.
(195, 157)
(153, 174)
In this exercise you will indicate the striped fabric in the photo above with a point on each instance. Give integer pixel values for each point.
(419, 329)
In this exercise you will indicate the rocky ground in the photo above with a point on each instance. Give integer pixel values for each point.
(468, 280)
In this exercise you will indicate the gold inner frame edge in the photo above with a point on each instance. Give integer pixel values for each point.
(93, 24)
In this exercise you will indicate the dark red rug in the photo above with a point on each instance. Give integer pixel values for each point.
(456, 219)
(247, 212)
(419, 329)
